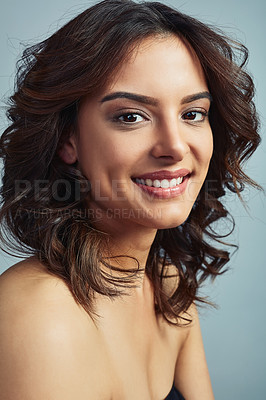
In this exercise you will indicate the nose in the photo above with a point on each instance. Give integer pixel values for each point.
(170, 141)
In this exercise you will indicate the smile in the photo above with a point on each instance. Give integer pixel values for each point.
(164, 183)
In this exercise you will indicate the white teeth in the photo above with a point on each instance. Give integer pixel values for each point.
(148, 182)
(164, 183)
(156, 183)
(173, 182)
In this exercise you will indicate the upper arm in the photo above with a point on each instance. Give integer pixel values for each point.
(46, 351)
(191, 375)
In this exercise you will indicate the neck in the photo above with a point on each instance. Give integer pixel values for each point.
(128, 245)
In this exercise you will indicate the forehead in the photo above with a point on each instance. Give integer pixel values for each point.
(159, 63)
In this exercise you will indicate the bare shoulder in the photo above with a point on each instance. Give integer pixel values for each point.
(25, 271)
(27, 286)
(191, 370)
(49, 346)
(191, 374)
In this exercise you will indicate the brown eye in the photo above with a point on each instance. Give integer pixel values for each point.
(195, 116)
(130, 118)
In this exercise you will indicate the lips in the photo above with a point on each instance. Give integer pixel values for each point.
(164, 174)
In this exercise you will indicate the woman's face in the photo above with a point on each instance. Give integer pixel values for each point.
(145, 142)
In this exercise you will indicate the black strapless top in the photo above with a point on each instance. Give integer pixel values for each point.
(174, 395)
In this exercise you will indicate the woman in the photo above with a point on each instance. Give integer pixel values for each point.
(127, 127)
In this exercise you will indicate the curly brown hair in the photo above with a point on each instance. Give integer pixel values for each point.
(50, 219)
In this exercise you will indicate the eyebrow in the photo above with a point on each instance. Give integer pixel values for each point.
(151, 100)
(131, 96)
(196, 96)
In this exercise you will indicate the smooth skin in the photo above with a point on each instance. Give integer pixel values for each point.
(50, 348)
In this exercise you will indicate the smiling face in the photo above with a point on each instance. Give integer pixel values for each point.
(145, 141)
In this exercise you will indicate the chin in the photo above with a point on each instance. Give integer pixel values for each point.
(167, 221)
(173, 224)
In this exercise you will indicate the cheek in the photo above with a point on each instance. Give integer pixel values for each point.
(105, 159)
(209, 148)
(204, 150)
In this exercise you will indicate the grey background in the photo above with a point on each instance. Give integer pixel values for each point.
(235, 334)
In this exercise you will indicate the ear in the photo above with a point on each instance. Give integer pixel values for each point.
(68, 150)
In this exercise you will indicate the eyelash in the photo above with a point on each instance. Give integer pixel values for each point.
(116, 118)
(204, 115)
